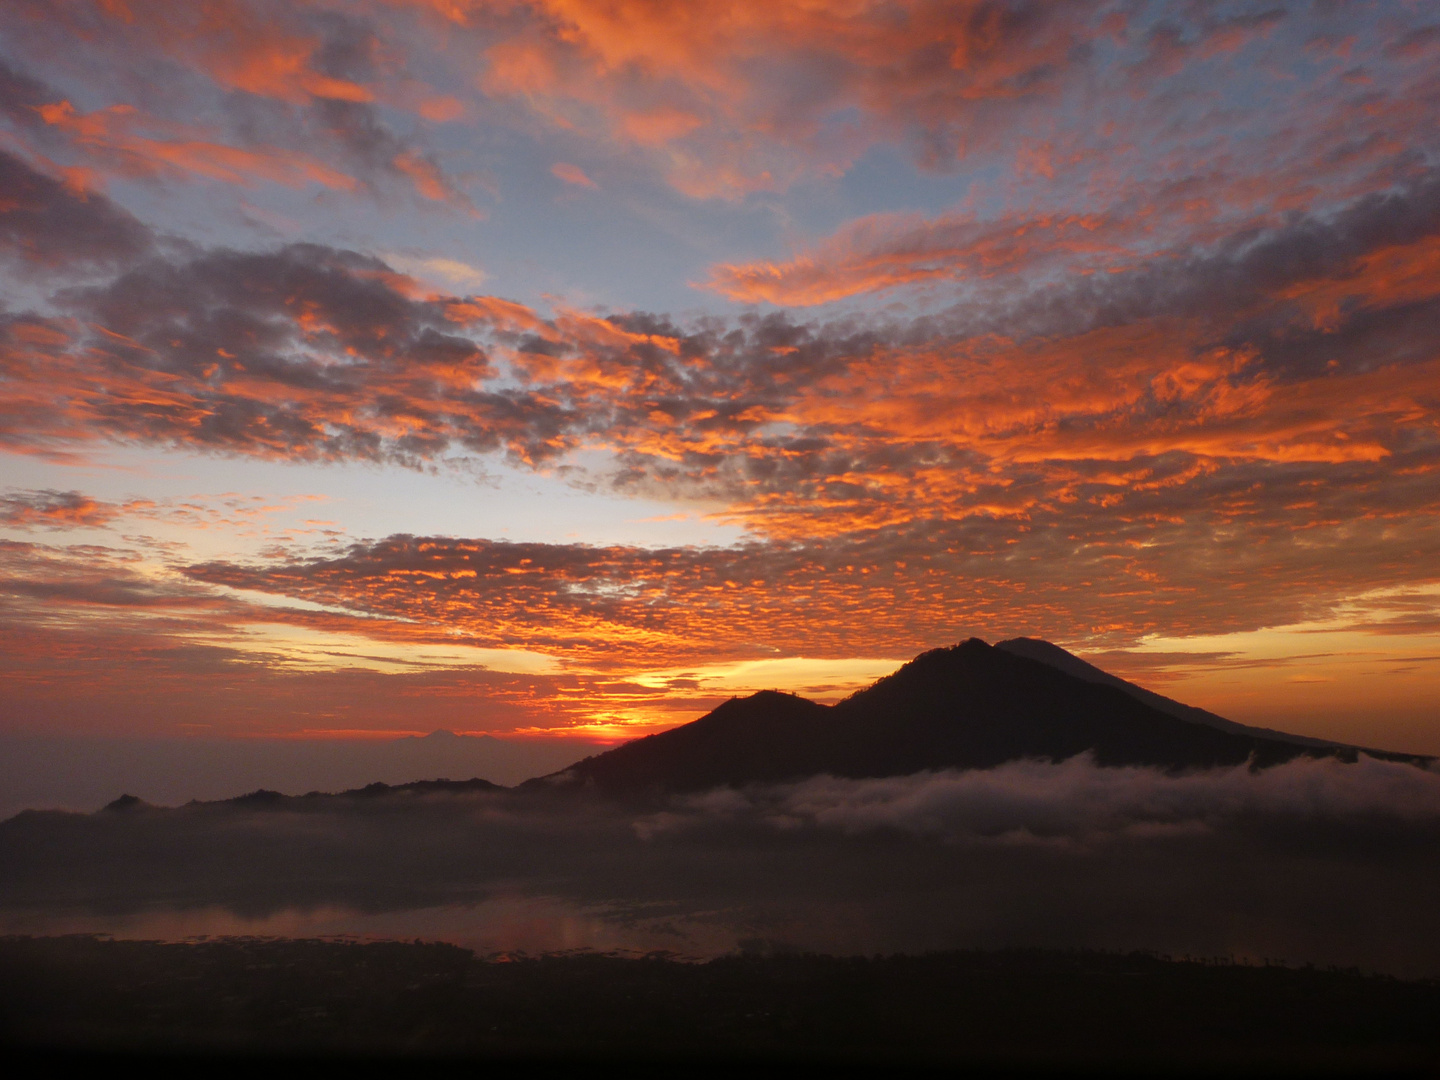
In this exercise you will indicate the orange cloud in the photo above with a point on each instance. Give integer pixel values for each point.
(571, 174)
(798, 432)
(317, 76)
(54, 510)
(710, 83)
(1101, 460)
(430, 182)
(112, 135)
(886, 251)
(240, 45)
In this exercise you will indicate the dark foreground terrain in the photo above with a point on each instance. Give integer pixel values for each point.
(1023, 1010)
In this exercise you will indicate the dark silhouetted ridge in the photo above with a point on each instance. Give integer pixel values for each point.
(1068, 662)
(973, 706)
(767, 736)
(419, 787)
(264, 799)
(126, 804)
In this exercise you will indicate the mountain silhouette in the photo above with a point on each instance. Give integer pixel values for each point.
(1056, 657)
(973, 706)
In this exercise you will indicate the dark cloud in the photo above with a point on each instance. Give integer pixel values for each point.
(88, 574)
(21, 96)
(304, 352)
(294, 87)
(1415, 43)
(380, 156)
(1309, 861)
(54, 510)
(1119, 456)
(1227, 283)
(1170, 44)
(46, 223)
(310, 351)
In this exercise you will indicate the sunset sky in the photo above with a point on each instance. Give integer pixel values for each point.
(564, 367)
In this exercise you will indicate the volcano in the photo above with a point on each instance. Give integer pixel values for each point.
(972, 706)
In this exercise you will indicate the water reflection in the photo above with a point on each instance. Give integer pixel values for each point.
(530, 925)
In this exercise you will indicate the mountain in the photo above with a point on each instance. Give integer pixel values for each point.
(1068, 662)
(265, 799)
(973, 706)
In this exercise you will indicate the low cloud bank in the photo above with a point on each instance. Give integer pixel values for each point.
(1310, 861)
(1074, 800)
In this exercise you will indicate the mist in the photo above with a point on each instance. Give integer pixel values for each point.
(1312, 861)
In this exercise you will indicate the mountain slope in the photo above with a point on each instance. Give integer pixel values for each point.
(1068, 662)
(967, 707)
(765, 737)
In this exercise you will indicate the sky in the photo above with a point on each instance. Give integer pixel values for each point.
(560, 368)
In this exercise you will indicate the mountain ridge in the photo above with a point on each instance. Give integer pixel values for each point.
(1048, 653)
(969, 706)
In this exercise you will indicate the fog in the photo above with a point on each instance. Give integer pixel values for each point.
(1313, 861)
(1074, 801)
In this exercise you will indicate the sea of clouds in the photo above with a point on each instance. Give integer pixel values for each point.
(1312, 861)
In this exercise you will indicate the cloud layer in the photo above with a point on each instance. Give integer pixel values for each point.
(1309, 861)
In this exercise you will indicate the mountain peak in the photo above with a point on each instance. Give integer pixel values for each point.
(1053, 655)
(965, 706)
(126, 804)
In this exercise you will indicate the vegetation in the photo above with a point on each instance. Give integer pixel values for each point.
(1016, 1008)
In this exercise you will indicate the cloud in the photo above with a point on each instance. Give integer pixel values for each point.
(1302, 344)
(305, 352)
(1164, 352)
(54, 510)
(887, 593)
(262, 48)
(1258, 411)
(636, 639)
(129, 144)
(743, 97)
(1073, 802)
(452, 272)
(571, 174)
(887, 251)
(98, 637)
(293, 96)
(52, 223)
(724, 99)
(1114, 250)
(1308, 861)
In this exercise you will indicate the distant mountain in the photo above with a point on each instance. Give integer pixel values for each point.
(86, 772)
(973, 706)
(264, 798)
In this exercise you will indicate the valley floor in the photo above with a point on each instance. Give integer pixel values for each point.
(93, 998)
